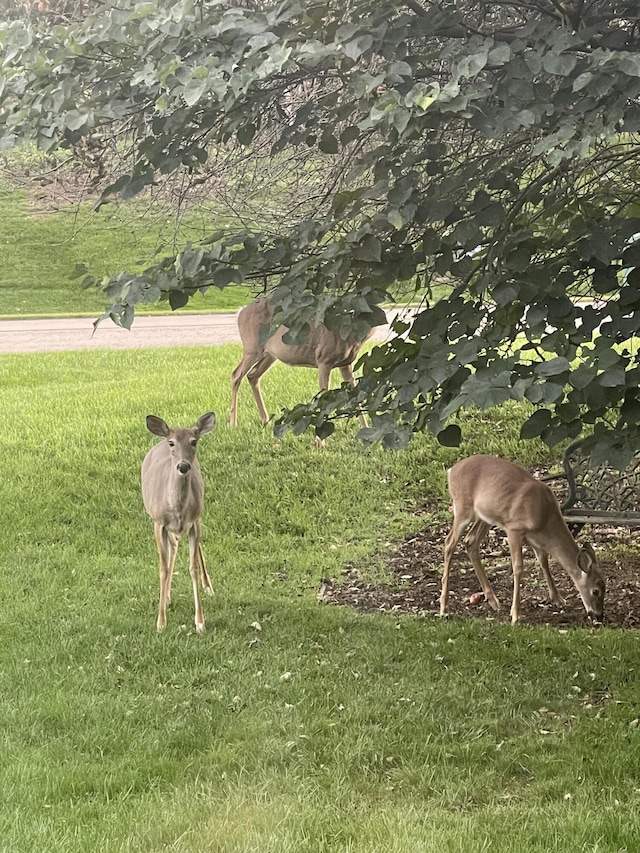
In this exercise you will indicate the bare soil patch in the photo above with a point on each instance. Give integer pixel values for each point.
(414, 568)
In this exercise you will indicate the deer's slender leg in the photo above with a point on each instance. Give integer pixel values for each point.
(516, 541)
(248, 360)
(474, 540)
(206, 581)
(172, 562)
(453, 537)
(324, 377)
(194, 545)
(167, 548)
(543, 559)
(257, 371)
(347, 375)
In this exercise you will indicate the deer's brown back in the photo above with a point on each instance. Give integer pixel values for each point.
(502, 493)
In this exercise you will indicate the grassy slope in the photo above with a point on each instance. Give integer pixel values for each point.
(288, 726)
(40, 252)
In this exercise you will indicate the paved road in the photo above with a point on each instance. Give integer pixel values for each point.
(78, 334)
(164, 331)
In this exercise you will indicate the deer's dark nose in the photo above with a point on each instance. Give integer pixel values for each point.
(184, 467)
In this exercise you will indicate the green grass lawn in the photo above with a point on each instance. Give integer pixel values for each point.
(289, 725)
(41, 249)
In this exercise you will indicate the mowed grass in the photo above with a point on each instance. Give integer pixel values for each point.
(289, 725)
(40, 251)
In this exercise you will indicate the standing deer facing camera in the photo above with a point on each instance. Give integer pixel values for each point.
(488, 491)
(173, 495)
(324, 349)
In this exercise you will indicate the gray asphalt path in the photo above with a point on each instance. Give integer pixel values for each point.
(165, 331)
(77, 333)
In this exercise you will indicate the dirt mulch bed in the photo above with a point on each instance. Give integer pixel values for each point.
(415, 566)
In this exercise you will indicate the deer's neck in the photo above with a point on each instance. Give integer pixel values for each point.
(564, 548)
(178, 490)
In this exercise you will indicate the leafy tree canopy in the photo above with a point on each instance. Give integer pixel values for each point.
(491, 148)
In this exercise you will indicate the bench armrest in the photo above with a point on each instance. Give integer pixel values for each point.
(570, 499)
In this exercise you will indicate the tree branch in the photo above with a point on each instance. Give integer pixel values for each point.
(416, 7)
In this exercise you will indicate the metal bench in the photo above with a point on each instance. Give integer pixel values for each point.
(598, 495)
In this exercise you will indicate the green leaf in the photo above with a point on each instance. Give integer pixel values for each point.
(519, 259)
(582, 376)
(354, 49)
(226, 275)
(194, 90)
(75, 119)
(368, 249)
(613, 378)
(605, 280)
(489, 386)
(450, 436)
(370, 434)
(301, 425)
(246, 134)
(536, 424)
(79, 270)
(177, 299)
(499, 55)
(349, 134)
(398, 71)
(325, 429)
(553, 367)
(544, 392)
(422, 95)
(629, 63)
(276, 59)
(395, 219)
(473, 64)
(560, 432)
(19, 36)
(328, 144)
(582, 80)
(631, 256)
(561, 64)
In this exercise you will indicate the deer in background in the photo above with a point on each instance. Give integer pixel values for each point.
(489, 491)
(324, 350)
(173, 495)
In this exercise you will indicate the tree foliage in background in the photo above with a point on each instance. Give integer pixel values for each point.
(489, 148)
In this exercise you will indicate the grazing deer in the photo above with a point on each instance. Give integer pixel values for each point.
(489, 491)
(324, 349)
(173, 495)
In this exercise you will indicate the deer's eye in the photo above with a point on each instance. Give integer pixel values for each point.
(172, 443)
(193, 442)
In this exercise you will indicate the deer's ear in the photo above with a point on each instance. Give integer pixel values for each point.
(206, 423)
(586, 558)
(157, 426)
